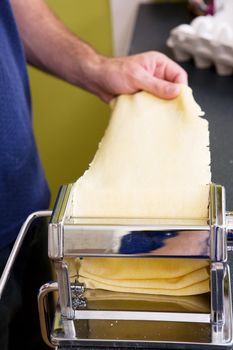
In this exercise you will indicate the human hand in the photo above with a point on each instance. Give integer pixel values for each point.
(150, 71)
(58, 51)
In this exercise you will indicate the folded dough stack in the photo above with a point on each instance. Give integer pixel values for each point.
(150, 276)
(153, 162)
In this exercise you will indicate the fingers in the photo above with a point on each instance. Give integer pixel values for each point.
(167, 69)
(159, 87)
(153, 72)
(174, 73)
(161, 75)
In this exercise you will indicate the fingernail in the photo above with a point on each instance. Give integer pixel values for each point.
(173, 90)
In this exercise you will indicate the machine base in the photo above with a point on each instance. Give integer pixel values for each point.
(109, 333)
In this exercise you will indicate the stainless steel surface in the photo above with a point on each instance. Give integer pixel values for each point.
(56, 234)
(122, 332)
(81, 237)
(218, 271)
(217, 209)
(229, 225)
(84, 323)
(44, 312)
(97, 299)
(141, 316)
(64, 287)
(136, 240)
(15, 250)
(71, 236)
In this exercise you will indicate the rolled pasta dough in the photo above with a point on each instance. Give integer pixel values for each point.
(153, 162)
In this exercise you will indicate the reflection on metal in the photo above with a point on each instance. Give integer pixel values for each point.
(101, 318)
(141, 316)
(44, 311)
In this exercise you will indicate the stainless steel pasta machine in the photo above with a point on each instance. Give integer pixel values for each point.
(102, 318)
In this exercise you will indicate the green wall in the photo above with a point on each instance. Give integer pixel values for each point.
(68, 121)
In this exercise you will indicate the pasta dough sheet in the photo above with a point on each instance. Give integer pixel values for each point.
(153, 162)
(151, 276)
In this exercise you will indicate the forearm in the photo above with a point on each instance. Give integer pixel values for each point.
(50, 46)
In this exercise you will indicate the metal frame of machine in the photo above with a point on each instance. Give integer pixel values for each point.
(79, 324)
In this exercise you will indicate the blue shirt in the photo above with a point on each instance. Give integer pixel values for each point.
(23, 188)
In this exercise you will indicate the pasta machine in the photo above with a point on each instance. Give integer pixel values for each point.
(100, 318)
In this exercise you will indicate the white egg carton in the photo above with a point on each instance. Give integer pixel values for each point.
(207, 39)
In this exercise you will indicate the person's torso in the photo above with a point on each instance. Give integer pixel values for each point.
(23, 188)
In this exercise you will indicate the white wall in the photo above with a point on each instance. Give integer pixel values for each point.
(123, 18)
